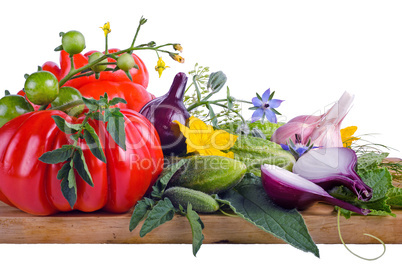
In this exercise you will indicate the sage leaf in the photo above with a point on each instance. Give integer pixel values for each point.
(140, 212)
(196, 228)
(160, 185)
(162, 212)
(58, 155)
(115, 126)
(93, 142)
(250, 201)
(82, 167)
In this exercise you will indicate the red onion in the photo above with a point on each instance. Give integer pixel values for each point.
(162, 111)
(329, 167)
(289, 190)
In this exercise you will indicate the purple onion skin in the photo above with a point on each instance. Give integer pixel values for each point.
(345, 175)
(162, 111)
(290, 191)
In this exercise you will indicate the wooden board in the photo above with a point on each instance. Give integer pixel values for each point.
(17, 227)
(87, 228)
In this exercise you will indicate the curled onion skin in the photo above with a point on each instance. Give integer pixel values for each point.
(330, 167)
(289, 190)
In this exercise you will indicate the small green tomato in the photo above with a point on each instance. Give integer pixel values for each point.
(125, 62)
(41, 87)
(12, 106)
(73, 42)
(95, 56)
(69, 101)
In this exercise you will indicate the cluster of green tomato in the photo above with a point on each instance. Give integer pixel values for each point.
(42, 87)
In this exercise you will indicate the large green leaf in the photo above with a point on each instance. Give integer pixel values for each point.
(250, 201)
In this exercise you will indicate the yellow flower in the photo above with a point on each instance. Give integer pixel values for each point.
(106, 28)
(160, 66)
(178, 47)
(177, 58)
(347, 136)
(202, 138)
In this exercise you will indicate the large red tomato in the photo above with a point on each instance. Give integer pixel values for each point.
(32, 186)
(116, 84)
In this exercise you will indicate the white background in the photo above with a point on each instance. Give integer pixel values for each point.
(309, 52)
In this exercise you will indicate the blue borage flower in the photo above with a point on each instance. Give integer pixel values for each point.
(265, 107)
(297, 149)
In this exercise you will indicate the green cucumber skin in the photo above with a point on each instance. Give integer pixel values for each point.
(210, 174)
(254, 152)
(200, 201)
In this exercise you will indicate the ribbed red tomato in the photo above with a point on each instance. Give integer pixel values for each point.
(116, 84)
(33, 187)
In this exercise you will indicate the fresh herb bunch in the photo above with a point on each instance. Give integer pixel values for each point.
(72, 155)
(197, 98)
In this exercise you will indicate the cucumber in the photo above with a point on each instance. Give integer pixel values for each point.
(254, 152)
(200, 201)
(210, 174)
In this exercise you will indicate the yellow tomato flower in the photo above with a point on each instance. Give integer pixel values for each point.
(347, 136)
(178, 47)
(160, 66)
(106, 28)
(202, 138)
(177, 58)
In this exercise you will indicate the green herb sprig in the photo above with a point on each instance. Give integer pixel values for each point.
(198, 96)
(72, 155)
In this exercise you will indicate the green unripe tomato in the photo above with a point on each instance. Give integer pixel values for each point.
(125, 62)
(41, 87)
(12, 106)
(73, 42)
(69, 101)
(95, 56)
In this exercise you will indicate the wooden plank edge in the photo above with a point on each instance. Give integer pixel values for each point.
(101, 228)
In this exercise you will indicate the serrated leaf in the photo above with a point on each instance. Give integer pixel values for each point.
(250, 201)
(64, 126)
(140, 212)
(81, 166)
(196, 228)
(160, 185)
(68, 185)
(117, 100)
(162, 212)
(93, 142)
(91, 103)
(394, 197)
(115, 126)
(58, 155)
(97, 116)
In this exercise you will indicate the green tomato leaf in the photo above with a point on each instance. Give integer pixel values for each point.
(58, 155)
(81, 166)
(68, 183)
(115, 126)
(93, 142)
(196, 228)
(250, 201)
(91, 103)
(160, 185)
(64, 126)
(162, 212)
(140, 212)
(117, 100)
